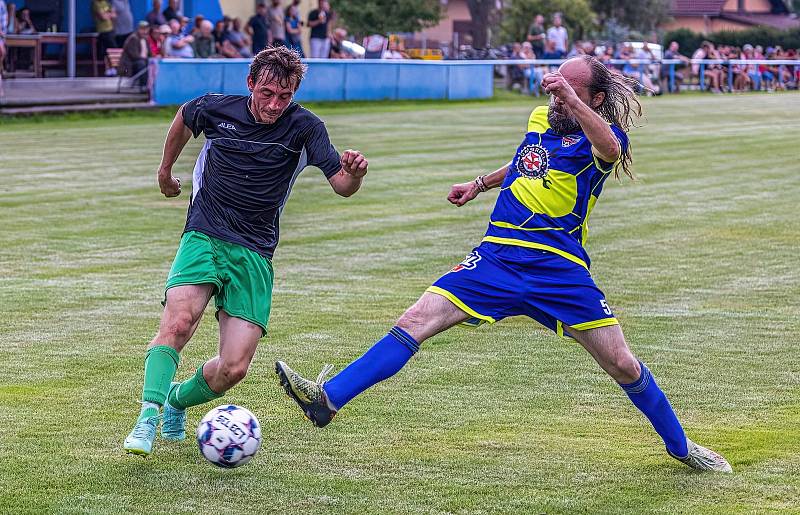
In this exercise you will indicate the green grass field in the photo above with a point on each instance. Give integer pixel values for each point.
(698, 259)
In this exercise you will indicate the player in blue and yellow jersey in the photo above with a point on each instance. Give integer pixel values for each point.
(532, 260)
(255, 147)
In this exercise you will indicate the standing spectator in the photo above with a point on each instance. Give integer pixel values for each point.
(172, 12)
(673, 52)
(198, 23)
(276, 24)
(258, 28)
(319, 21)
(536, 34)
(178, 45)
(104, 25)
(123, 23)
(292, 24)
(3, 28)
(204, 44)
(156, 39)
(239, 39)
(155, 18)
(134, 54)
(558, 35)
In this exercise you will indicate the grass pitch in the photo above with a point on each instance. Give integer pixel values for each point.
(698, 259)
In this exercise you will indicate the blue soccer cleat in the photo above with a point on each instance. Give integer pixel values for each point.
(140, 440)
(173, 422)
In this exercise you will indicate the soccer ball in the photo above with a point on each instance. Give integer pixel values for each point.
(229, 436)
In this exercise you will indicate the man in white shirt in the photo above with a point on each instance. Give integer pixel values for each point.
(558, 34)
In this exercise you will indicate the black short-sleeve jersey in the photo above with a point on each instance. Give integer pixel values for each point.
(246, 169)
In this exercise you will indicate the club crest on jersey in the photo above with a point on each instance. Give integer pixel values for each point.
(469, 263)
(533, 162)
(569, 140)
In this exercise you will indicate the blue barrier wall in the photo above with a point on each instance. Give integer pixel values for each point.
(177, 80)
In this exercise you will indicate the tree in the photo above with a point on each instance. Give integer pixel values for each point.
(578, 17)
(640, 15)
(481, 13)
(364, 17)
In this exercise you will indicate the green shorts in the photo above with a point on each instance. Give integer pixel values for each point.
(242, 278)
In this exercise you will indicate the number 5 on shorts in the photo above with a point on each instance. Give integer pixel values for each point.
(606, 308)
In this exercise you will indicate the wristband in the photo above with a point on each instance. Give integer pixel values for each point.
(479, 182)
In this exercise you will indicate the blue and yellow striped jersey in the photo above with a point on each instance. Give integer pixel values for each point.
(549, 191)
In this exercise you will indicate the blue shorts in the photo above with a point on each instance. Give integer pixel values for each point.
(498, 281)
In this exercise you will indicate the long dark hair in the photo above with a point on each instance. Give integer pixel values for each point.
(620, 105)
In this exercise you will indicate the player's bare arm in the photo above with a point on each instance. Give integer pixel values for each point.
(462, 193)
(350, 177)
(604, 144)
(177, 137)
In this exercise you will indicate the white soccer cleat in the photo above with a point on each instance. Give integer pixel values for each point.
(701, 458)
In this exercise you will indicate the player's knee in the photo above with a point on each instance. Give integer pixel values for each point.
(413, 318)
(178, 327)
(231, 373)
(624, 368)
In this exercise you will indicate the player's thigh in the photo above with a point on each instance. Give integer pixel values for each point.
(247, 285)
(608, 347)
(430, 315)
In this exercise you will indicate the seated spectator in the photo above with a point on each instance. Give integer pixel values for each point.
(607, 56)
(239, 40)
(393, 51)
(178, 45)
(673, 52)
(741, 79)
(751, 69)
(24, 22)
(204, 43)
(576, 50)
(220, 34)
(337, 50)
(550, 52)
(529, 70)
(156, 39)
(713, 72)
(196, 27)
(134, 53)
(293, 29)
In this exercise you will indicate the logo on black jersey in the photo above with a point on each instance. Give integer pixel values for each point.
(227, 126)
(533, 162)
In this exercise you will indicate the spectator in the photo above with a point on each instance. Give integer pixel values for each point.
(239, 39)
(178, 45)
(258, 28)
(558, 35)
(741, 79)
(576, 50)
(292, 24)
(550, 52)
(155, 18)
(135, 51)
(318, 21)
(607, 56)
(751, 68)
(531, 71)
(3, 29)
(515, 74)
(197, 26)
(276, 24)
(649, 71)
(673, 52)
(11, 15)
(123, 23)
(156, 38)
(104, 25)
(714, 72)
(172, 12)
(24, 24)
(536, 34)
(393, 50)
(337, 51)
(204, 44)
(220, 33)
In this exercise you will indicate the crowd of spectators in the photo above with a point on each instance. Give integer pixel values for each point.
(640, 62)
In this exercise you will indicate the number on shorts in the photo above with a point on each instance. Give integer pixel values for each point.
(606, 308)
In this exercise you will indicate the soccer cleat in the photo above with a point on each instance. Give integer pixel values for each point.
(701, 458)
(173, 422)
(140, 440)
(309, 395)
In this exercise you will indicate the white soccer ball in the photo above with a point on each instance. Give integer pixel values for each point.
(229, 436)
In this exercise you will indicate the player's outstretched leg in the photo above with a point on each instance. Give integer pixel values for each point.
(320, 400)
(182, 313)
(238, 342)
(608, 347)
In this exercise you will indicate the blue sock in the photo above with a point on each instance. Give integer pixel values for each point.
(648, 397)
(380, 362)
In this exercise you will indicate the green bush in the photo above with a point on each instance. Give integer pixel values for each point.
(764, 36)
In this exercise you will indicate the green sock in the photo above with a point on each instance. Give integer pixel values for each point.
(192, 392)
(160, 364)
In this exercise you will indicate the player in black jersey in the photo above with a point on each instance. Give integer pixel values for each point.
(255, 148)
